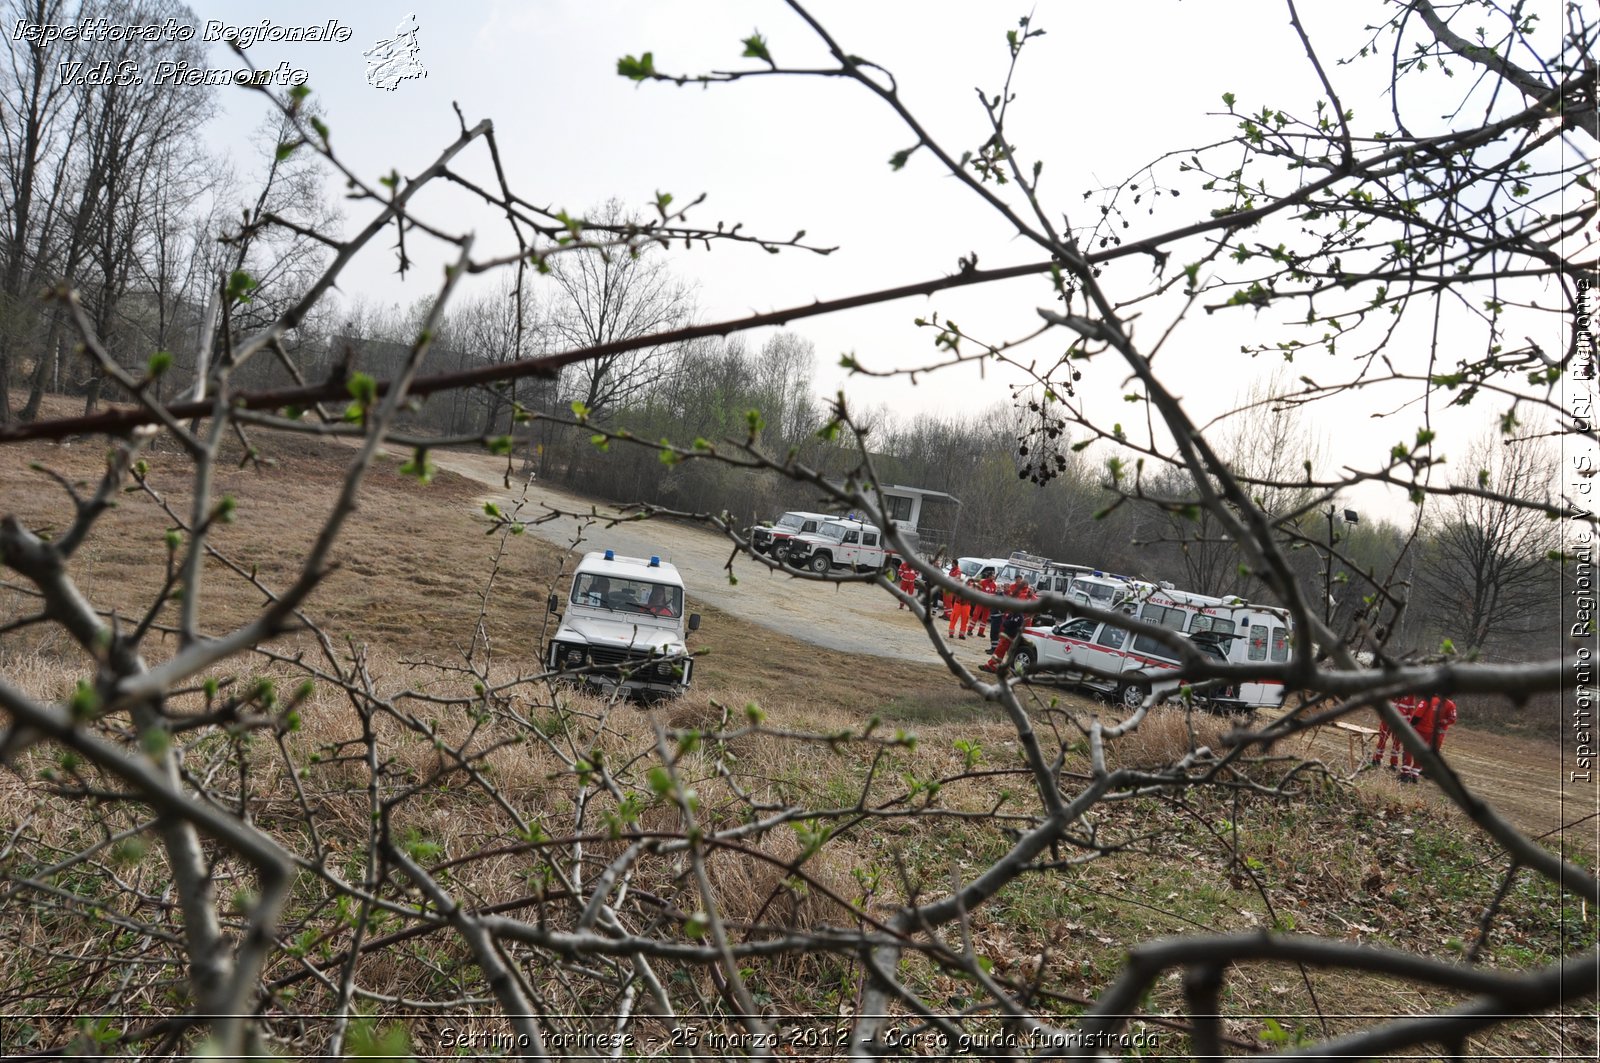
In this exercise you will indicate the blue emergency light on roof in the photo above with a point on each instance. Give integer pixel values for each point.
(655, 562)
(611, 555)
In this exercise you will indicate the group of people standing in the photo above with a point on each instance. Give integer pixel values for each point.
(968, 619)
(965, 615)
(1007, 626)
(1430, 717)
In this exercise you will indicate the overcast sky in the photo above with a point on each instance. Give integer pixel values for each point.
(1108, 89)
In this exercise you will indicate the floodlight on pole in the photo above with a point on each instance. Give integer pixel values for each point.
(1350, 517)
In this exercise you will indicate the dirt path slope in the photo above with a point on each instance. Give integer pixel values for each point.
(854, 618)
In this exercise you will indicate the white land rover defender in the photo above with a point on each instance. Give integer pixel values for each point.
(774, 538)
(624, 626)
(842, 543)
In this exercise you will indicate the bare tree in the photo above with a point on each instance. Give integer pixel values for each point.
(36, 126)
(280, 237)
(131, 140)
(497, 328)
(1487, 568)
(612, 294)
(784, 370)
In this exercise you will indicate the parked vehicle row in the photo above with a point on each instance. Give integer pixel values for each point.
(821, 543)
(842, 543)
(1099, 656)
(774, 538)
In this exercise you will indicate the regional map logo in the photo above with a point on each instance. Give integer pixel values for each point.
(394, 60)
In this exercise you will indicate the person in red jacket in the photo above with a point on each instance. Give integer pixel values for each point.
(1404, 705)
(1020, 589)
(1444, 717)
(980, 613)
(908, 579)
(1422, 721)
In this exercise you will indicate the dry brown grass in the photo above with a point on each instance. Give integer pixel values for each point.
(407, 570)
(1166, 736)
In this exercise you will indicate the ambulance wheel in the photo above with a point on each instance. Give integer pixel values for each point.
(1131, 695)
(822, 564)
(1026, 661)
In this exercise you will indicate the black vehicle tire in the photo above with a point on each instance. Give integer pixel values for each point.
(1131, 695)
(1027, 661)
(821, 564)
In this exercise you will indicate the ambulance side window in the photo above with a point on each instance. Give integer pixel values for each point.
(869, 538)
(1258, 642)
(851, 537)
(1280, 644)
(1175, 618)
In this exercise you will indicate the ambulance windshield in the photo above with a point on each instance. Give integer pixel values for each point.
(627, 595)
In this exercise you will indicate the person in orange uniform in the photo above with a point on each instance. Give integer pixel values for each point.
(908, 579)
(985, 583)
(1444, 717)
(974, 611)
(1404, 705)
(950, 596)
(960, 616)
(1012, 624)
(1422, 721)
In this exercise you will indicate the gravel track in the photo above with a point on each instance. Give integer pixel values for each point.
(849, 617)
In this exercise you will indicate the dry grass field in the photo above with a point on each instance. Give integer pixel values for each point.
(444, 620)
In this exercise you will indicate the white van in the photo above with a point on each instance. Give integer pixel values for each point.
(1104, 590)
(1261, 634)
(974, 567)
(1058, 576)
(1022, 565)
(1247, 633)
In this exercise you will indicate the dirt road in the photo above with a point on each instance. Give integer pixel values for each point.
(850, 617)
